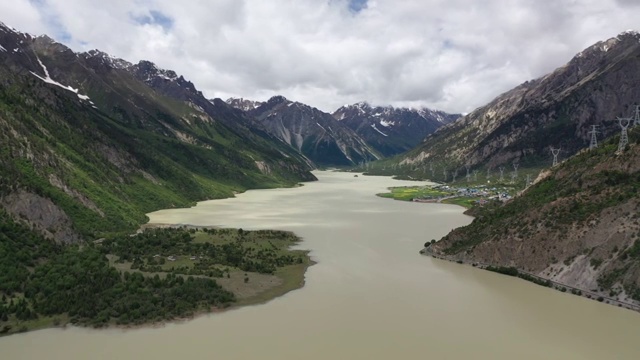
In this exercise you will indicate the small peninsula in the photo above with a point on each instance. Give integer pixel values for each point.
(157, 275)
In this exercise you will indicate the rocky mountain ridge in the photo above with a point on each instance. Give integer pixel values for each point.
(392, 130)
(314, 133)
(243, 104)
(557, 110)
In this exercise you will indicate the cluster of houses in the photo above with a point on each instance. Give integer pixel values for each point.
(482, 192)
(174, 258)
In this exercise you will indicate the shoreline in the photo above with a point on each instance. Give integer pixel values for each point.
(251, 301)
(248, 302)
(291, 282)
(538, 280)
(521, 274)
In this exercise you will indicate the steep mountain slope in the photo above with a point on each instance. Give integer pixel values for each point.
(314, 133)
(578, 225)
(557, 110)
(88, 148)
(392, 130)
(168, 83)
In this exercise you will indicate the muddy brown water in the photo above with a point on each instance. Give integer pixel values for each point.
(371, 295)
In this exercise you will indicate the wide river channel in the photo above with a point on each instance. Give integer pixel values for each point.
(370, 295)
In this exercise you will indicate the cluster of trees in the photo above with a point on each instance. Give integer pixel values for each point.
(40, 278)
(512, 271)
(76, 282)
(82, 284)
(20, 249)
(246, 250)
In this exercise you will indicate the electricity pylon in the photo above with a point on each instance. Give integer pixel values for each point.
(594, 137)
(624, 134)
(555, 153)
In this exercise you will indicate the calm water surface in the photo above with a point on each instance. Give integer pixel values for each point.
(371, 295)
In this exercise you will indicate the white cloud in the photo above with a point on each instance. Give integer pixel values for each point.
(453, 55)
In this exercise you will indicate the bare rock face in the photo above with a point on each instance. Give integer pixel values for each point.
(315, 134)
(556, 110)
(42, 215)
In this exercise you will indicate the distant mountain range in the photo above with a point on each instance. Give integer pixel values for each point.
(392, 130)
(314, 133)
(361, 132)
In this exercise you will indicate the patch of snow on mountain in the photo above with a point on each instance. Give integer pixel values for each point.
(49, 80)
(631, 31)
(322, 127)
(386, 123)
(2, 49)
(111, 60)
(376, 129)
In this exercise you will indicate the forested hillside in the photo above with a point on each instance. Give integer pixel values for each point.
(88, 148)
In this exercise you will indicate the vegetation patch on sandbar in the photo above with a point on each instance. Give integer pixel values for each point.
(157, 275)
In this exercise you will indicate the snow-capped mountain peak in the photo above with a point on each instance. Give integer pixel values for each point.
(110, 60)
(243, 104)
(392, 130)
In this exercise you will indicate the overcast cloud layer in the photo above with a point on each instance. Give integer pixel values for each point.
(453, 55)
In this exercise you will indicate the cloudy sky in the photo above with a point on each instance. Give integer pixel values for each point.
(453, 55)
